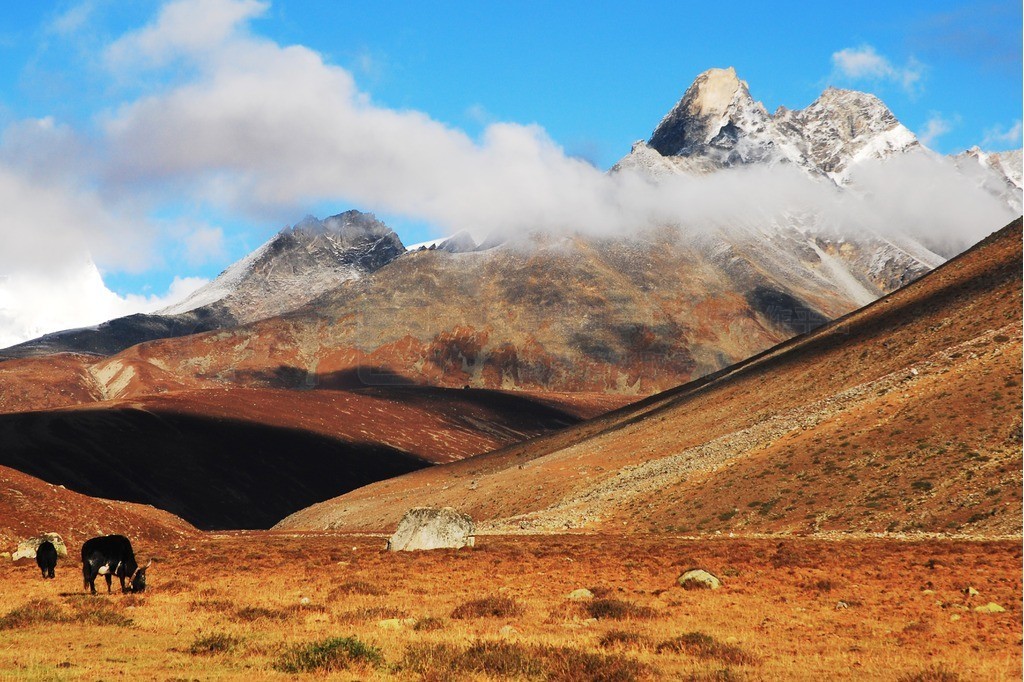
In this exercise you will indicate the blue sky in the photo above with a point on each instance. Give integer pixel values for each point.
(86, 85)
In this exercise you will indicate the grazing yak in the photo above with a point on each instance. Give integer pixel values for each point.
(112, 555)
(46, 558)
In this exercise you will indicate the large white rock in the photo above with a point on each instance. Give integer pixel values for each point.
(429, 528)
(27, 548)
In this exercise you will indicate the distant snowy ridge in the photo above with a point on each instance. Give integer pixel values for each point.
(717, 124)
(296, 265)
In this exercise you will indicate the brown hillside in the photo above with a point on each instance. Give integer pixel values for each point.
(29, 506)
(903, 416)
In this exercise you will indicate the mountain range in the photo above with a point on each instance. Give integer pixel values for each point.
(333, 357)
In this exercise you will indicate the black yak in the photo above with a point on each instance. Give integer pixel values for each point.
(109, 556)
(46, 558)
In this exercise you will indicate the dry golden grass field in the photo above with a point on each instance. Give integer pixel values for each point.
(264, 605)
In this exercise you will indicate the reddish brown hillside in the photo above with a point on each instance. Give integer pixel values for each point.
(29, 506)
(903, 416)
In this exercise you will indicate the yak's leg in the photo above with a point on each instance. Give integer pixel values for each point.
(107, 576)
(88, 577)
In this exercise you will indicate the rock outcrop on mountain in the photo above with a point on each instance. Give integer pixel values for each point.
(901, 417)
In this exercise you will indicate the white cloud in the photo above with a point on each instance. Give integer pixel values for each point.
(184, 26)
(865, 64)
(999, 138)
(204, 244)
(477, 113)
(72, 19)
(68, 296)
(935, 127)
(51, 224)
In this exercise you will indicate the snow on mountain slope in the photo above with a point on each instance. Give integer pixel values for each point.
(298, 264)
(998, 173)
(843, 128)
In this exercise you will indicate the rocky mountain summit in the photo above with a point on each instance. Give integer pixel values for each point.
(296, 265)
(717, 124)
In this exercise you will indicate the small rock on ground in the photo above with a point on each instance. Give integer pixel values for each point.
(699, 579)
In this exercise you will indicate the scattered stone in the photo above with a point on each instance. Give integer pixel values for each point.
(954, 618)
(927, 591)
(971, 592)
(304, 601)
(27, 548)
(582, 594)
(698, 579)
(428, 528)
(842, 605)
(508, 631)
(990, 607)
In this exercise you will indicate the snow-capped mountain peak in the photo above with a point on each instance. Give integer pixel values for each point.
(718, 124)
(717, 118)
(843, 128)
(297, 264)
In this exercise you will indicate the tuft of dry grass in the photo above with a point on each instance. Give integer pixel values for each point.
(217, 643)
(356, 587)
(623, 639)
(257, 613)
(618, 609)
(488, 607)
(704, 646)
(429, 624)
(328, 655)
(32, 613)
(933, 673)
(372, 613)
(509, 660)
(85, 611)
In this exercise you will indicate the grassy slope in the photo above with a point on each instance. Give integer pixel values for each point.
(776, 616)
